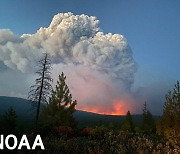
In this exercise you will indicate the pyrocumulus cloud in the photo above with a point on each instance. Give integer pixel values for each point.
(100, 67)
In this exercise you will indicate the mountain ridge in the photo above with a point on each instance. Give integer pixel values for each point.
(23, 108)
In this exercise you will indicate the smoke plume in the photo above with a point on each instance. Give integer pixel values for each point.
(99, 67)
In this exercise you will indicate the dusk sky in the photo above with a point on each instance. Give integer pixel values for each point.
(151, 28)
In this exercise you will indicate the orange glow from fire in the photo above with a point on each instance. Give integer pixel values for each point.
(118, 108)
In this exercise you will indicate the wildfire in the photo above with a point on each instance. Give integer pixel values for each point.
(118, 108)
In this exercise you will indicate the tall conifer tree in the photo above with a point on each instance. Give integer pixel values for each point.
(59, 111)
(10, 121)
(128, 123)
(170, 121)
(148, 123)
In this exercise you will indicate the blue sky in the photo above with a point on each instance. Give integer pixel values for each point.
(152, 29)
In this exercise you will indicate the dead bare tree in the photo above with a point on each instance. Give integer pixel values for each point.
(41, 90)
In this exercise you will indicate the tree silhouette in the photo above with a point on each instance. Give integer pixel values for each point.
(59, 111)
(9, 121)
(170, 121)
(42, 89)
(148, 123)
(128, 123)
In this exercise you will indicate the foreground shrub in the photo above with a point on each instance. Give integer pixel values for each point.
(111, 142)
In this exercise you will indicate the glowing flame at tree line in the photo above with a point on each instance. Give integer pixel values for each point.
(119, 108)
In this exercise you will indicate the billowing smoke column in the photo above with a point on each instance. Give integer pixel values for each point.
(99, 67)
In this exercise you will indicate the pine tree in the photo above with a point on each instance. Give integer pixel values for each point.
(9, 121)
(59, 111)
(41, 91)
(148, 123)
(128, 123)
(170, 121)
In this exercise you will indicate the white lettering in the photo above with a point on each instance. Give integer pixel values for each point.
(24, 142)
(2, 142)
(38, 142)
(7, 142)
